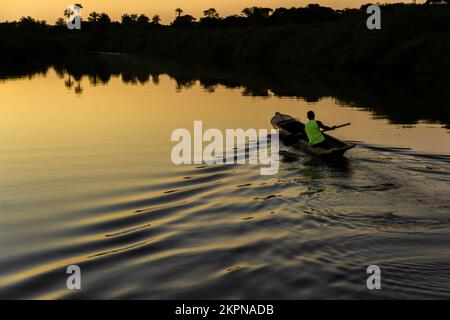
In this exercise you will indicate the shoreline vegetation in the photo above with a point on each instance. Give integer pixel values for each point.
(414, 37)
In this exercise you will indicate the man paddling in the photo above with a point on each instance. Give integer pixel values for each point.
(312, 129)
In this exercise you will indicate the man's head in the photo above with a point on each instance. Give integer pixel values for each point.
(311, 115)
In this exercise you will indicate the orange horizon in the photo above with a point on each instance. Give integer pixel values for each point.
(50, 10)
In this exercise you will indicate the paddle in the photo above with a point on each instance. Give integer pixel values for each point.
(293, 138)
(339, 126)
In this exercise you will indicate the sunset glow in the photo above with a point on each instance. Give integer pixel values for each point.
(50, 10)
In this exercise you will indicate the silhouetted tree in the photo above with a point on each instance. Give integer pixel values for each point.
(143, 20)
(257, 15)
(156, 20)
(211, 13)
(182, 21)
(129, 19)
(257, 12)
(210, 19)
(93, 17)
(104, 19)
(31, 24)
(179, 11)
(99, 19)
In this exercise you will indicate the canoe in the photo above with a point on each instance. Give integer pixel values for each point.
(289, 126)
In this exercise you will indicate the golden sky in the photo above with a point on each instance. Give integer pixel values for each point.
(50, 10)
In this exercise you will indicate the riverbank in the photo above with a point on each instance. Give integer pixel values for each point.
(413, 38)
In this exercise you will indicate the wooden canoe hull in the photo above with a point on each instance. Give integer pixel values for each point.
(288, 126)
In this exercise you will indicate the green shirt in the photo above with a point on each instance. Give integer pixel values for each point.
(313, 132)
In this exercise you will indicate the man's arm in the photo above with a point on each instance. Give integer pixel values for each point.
(324, 127)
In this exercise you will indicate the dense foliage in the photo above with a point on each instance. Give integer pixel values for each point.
(413, 37)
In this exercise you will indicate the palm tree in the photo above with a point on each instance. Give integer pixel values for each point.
(103, 18)
(179, 11)
(93, 17)
(156, 19)
(143, 20)
(126, 19)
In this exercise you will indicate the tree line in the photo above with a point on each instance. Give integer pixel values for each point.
(211, 17)
(413, 37)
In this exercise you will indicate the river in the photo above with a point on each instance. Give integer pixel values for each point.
(87, 179)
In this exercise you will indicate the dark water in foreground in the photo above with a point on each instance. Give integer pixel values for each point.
(87, 180)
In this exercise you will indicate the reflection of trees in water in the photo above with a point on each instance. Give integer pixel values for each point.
(256, 92)
(99, 79)
(184, 83)
(78, 88)
(209, 85)
(155, 79)
(402, 100)
(68, 83)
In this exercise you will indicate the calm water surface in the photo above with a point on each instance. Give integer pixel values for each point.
(86, 179)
